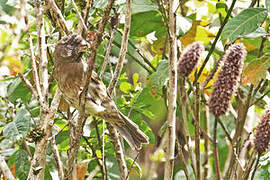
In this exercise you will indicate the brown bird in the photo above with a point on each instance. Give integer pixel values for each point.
(70, 74)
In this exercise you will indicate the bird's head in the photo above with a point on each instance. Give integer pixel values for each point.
(70, 48)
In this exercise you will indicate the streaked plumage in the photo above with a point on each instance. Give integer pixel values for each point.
(69, 72)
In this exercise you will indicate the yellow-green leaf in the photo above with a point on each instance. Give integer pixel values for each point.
(256, 70)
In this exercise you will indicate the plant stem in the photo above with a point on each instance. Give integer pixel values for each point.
(197, 132)
(255, 168)
(216, 149)
(215, 41)
(171, 118)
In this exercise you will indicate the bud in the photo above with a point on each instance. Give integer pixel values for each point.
(189, 58)
(227, 79)
(262, 137)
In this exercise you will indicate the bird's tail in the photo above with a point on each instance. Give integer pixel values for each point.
(132, 134)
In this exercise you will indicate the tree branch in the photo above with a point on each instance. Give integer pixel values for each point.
(171, 117)
(5, 170)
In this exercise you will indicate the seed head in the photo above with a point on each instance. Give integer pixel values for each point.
(227, 79)
(189, 58)
(262, 138)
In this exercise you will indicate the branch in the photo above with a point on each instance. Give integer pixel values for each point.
(171, 118)
(123, 49)
(79, 15)
(5, 169)
(78, 130)
(58, 161)
(117, 144)
(28, 84)
(62, 23)
(107, 54)
(197, 132)
(34, 66)
(216, 150)
(215, 41)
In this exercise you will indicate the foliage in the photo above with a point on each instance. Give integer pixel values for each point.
(141, 92)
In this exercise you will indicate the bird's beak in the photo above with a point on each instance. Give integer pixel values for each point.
(84, 46)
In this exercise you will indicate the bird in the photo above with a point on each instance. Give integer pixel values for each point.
(70, 73)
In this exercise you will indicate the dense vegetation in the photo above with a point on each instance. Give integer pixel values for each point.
(194, 76)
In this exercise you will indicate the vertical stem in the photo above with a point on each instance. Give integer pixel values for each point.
(171, 118)
(216, 149)
(197, 133)
(206, 144)
(215, 41)
(255, 168)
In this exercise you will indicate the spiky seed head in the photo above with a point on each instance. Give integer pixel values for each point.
(189, 58)
(227, 79)
(262, 137)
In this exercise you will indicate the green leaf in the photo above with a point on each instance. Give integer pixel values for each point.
(135, 79)
(19, 127)
(257, 33)
(133, 165)
(142, 6)
(22, 165)
(17, 90)
(159, 78)
(144, 23)
(267, 5)
(126, 87)
(144, 127)
(6, 7)
(244, 23)
(256, 70)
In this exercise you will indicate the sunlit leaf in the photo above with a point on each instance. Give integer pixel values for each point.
(135, 78)
(135, 169)
(244, 23)
(256, 70)
(197, 33)
(125, 87)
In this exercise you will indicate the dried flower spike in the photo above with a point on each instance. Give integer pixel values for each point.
(189, 58)
(262, 138)
(227, 79)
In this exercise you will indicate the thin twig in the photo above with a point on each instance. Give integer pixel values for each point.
(78, 130)
(34, 65)
(58, 161)
(179, 147)
(135, 59)
(79, 15)
(216, 150)
(133, 162)
(197, 132)
(260, 98)
(256, 167)
(88, 6)
(215, 41)
(58, 15)
(225, 130)
(28, 84)
(107, 54)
